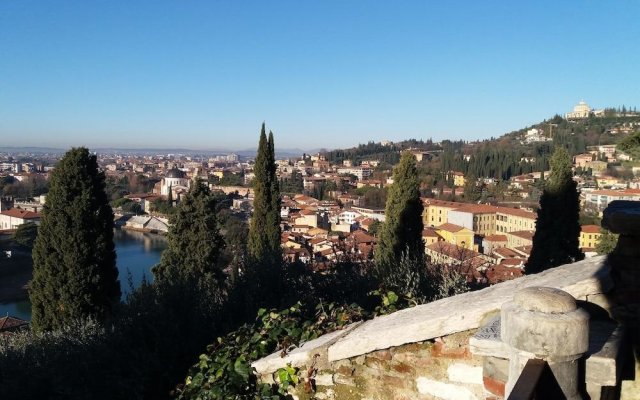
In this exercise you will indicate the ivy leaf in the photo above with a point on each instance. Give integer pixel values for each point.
(242, 367)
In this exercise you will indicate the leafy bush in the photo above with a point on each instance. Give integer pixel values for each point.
(225, 372)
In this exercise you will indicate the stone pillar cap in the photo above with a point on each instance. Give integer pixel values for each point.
(545, 299)
(622, 216)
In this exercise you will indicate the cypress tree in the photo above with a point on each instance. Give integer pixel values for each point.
(194, 241)
(401, 233)
(556, 240)
(264, 229)
(74, 259)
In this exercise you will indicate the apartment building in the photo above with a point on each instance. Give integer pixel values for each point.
(514, 219)
(589, 236)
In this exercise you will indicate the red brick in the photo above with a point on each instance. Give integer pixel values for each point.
(494, 386)
(403, 368)
(345, 370)
(440, 350)
(395, 382)
(381, 355)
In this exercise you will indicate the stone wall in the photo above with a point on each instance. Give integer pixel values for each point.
(448, 349)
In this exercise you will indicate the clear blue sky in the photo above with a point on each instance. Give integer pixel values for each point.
(205, 74)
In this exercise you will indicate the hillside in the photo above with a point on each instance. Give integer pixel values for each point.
(521, 151)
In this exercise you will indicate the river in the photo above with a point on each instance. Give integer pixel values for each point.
(137, 253)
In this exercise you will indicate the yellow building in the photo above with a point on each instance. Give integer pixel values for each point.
(480, 218)
(604, 180)
(430, 236)
(514, 219)
(589, 236)
(456, 234)
(519, 238)
(458, 178)
(436, 212)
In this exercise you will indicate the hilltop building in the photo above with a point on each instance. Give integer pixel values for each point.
(582, 110)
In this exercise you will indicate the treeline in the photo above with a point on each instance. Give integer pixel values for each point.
(389, 154)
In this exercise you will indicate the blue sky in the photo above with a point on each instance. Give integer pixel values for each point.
(205, 74)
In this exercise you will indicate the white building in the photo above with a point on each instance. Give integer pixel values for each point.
(582, 110)
(601, 198)
(360, 172)
(13, 218)
(174, 180)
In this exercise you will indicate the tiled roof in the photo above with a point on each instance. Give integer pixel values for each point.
(8, 322)
(18, 213)
(442, 203)
(477, 208)
(430, 232)
(590, 229)
(517, 212)
(496, 238)
(523, 234)
(449, 227)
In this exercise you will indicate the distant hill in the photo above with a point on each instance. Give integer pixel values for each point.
(522, 151)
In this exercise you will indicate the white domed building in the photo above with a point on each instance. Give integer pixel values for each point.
(176, 181)
(581, 110)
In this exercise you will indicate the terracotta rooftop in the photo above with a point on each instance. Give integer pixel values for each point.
(361, 237)
(449, 227)
(430, 232)
(496, 238)
(453, 251)
(590, 229)
(517, 212)
(506, 252)
(9, 323)
(18, 213)
(477, 208)
(442, 203)
(523, 234)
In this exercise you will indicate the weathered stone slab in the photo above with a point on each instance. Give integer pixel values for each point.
(302, 355)
(465, 373)
(441, 390)
(466, 311)
(602, 367)
(487, 341)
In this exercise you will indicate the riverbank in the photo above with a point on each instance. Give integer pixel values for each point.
(143, 230)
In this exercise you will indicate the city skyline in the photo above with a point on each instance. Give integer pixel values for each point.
(205, 76)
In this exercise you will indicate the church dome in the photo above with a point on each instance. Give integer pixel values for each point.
(582, 106)
(175, 173)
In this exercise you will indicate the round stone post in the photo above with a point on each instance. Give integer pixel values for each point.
(545, 323)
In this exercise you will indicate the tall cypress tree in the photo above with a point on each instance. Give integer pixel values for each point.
(556, 240)
(194, 241)
(74, 259)
(401, 233)
(264, 229)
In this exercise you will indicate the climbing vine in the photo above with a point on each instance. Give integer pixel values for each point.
(224, 371)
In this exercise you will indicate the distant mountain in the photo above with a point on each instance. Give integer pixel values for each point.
(280, 153)
(34, 150)
(247, 153)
